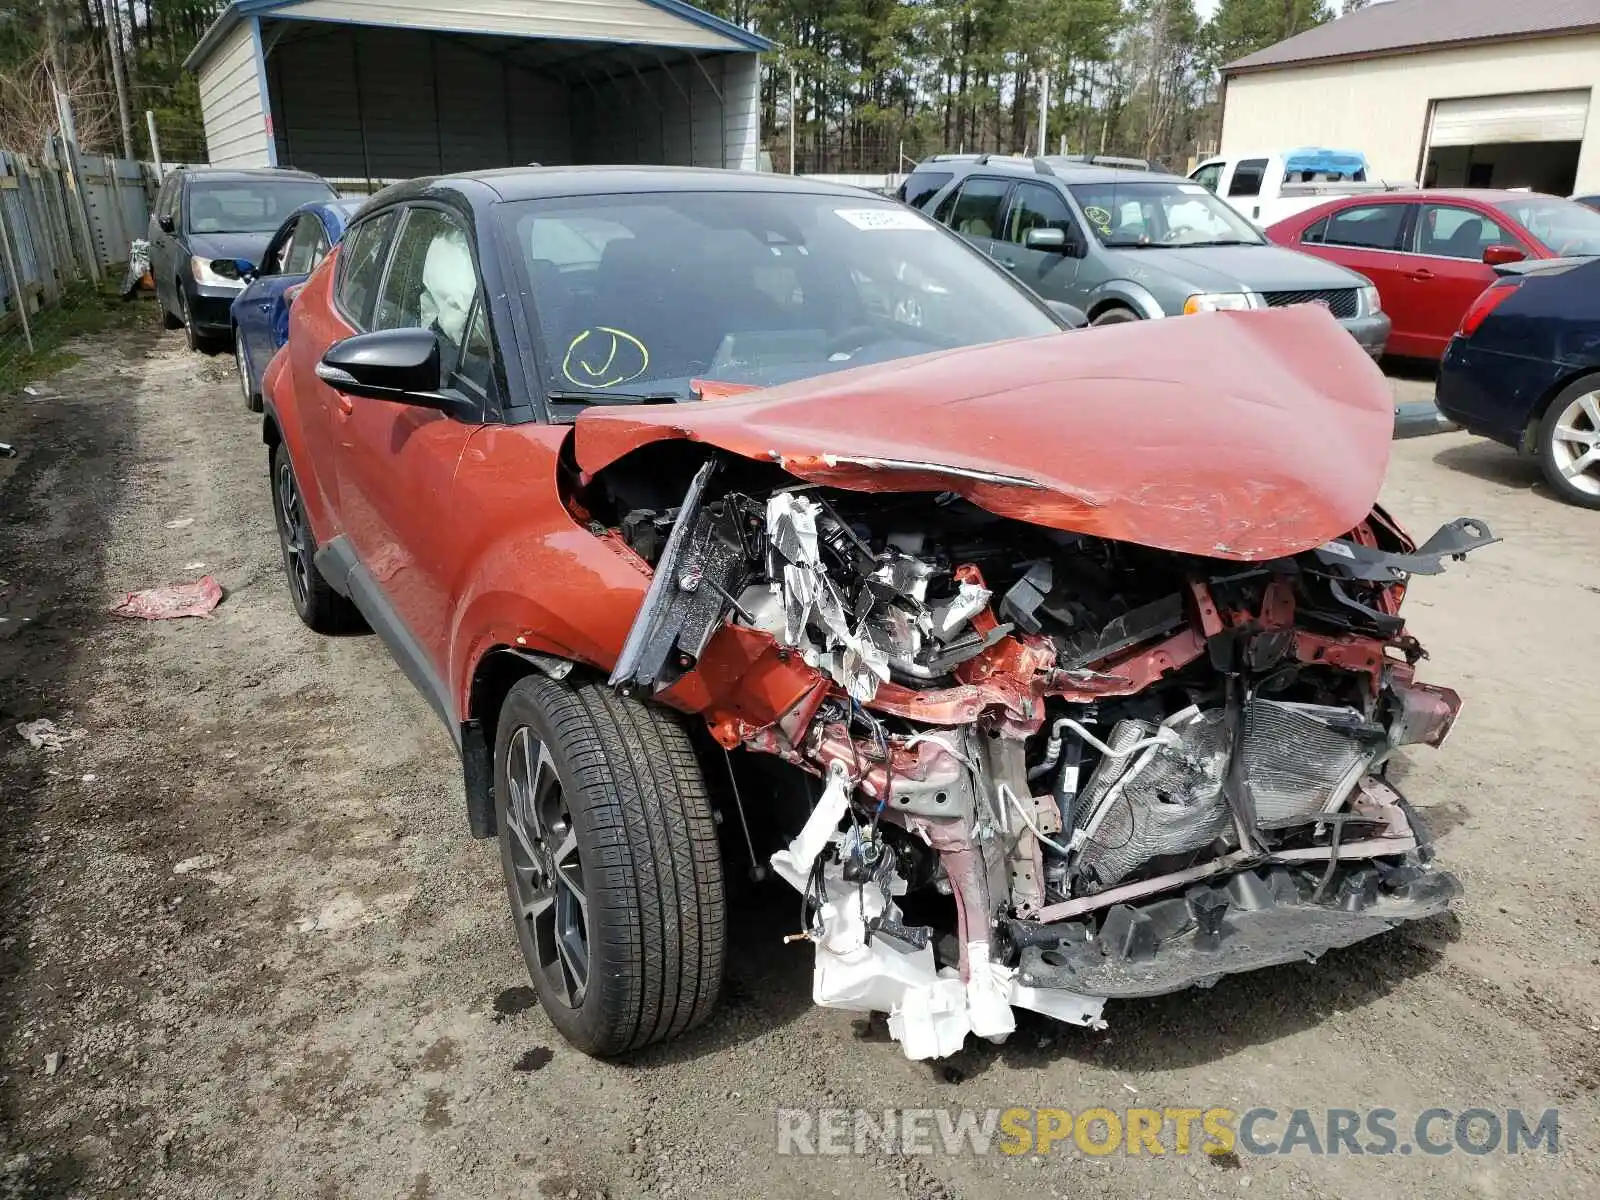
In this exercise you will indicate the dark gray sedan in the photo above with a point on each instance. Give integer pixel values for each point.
(1130, 245)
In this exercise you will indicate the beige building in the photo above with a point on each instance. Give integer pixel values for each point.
(1455, 93)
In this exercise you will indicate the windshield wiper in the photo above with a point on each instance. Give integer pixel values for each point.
(601, 398)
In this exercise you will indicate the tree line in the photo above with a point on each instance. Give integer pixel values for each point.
(870, 85)
(856, 86)
(70, 42)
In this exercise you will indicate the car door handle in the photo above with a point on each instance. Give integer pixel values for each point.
(1009, 264)
(1422, 274)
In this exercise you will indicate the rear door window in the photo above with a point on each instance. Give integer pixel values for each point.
(977, 209)
(361, 267)
(1247, 177)
(1366, 227)
(922, 186)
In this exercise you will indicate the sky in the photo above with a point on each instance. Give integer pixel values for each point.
(1205, 8)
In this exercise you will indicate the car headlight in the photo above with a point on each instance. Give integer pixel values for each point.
(204, 275)
(1221, 302)
(1371, 302)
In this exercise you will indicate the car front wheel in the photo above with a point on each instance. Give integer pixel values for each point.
(611, 862)
(1569, 443)
(1115, 316)
(252, 398)
(315, 602)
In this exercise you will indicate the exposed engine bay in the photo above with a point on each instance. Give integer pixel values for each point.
(1132, 770)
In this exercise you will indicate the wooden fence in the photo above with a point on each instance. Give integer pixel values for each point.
(65, 219)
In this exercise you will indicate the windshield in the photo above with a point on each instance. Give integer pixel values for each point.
(249, 205)
(1163, 212)
(1568, 229)
(635, 296)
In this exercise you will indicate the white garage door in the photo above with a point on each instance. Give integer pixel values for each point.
(1540, 117)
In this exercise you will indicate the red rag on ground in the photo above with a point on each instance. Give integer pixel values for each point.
(176, 600)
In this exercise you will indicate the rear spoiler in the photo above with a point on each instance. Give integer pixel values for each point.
(1541, 266)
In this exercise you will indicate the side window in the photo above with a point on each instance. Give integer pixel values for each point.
(977, 208)
(1449, 232)
(1317, 233)
(922, 186)
(1367, 227)
(274, 261)
(432, 284)
(171, 191)
(1034, 206)
(302, 254)
(1209, 176)
(476, 364)
(360, 268)
(1247, 177)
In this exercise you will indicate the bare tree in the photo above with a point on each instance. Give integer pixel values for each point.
(28, 108)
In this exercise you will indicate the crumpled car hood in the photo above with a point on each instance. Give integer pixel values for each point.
(1246, 436)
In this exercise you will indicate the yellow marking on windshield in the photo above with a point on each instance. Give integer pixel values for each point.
(610, 373)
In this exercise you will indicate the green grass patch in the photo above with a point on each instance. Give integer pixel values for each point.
(81, 312)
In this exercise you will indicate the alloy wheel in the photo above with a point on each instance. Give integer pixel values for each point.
(1575, 443)
(546, 874)
(292, 523)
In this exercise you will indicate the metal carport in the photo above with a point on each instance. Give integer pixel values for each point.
(367, 91)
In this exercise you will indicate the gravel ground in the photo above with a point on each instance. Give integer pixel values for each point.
(246, 948)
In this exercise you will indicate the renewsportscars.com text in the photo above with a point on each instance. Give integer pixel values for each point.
(1166, 1131)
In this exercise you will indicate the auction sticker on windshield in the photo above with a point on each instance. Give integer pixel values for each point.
(882, 218)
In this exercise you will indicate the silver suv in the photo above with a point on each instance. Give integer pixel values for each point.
(1131, 245)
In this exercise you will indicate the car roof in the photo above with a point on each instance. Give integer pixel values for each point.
(231, 174)
(1067, 172)
(537, 183)
(1480, 195)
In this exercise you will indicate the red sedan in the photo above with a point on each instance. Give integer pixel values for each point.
(1431, 253)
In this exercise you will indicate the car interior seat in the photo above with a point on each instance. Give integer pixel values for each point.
(205, 214)
(1466, 241)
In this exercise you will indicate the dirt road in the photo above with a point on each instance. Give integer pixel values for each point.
(246, 948)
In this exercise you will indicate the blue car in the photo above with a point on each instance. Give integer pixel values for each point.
(261, 311)
(1524, 369)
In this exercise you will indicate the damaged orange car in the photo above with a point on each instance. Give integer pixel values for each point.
(736, 523)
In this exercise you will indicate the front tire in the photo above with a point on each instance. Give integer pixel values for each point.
(252, 398)
(1569, 443)
(611, 862)
(1115, 316)
(315, 602)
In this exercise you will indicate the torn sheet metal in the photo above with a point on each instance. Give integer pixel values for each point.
(1455, 540)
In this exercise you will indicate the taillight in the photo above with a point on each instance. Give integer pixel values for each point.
(1492, 298)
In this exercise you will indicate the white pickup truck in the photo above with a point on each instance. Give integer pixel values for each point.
(1265, 188)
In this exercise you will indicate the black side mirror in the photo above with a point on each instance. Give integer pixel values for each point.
(401, 365)
(167, 224)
